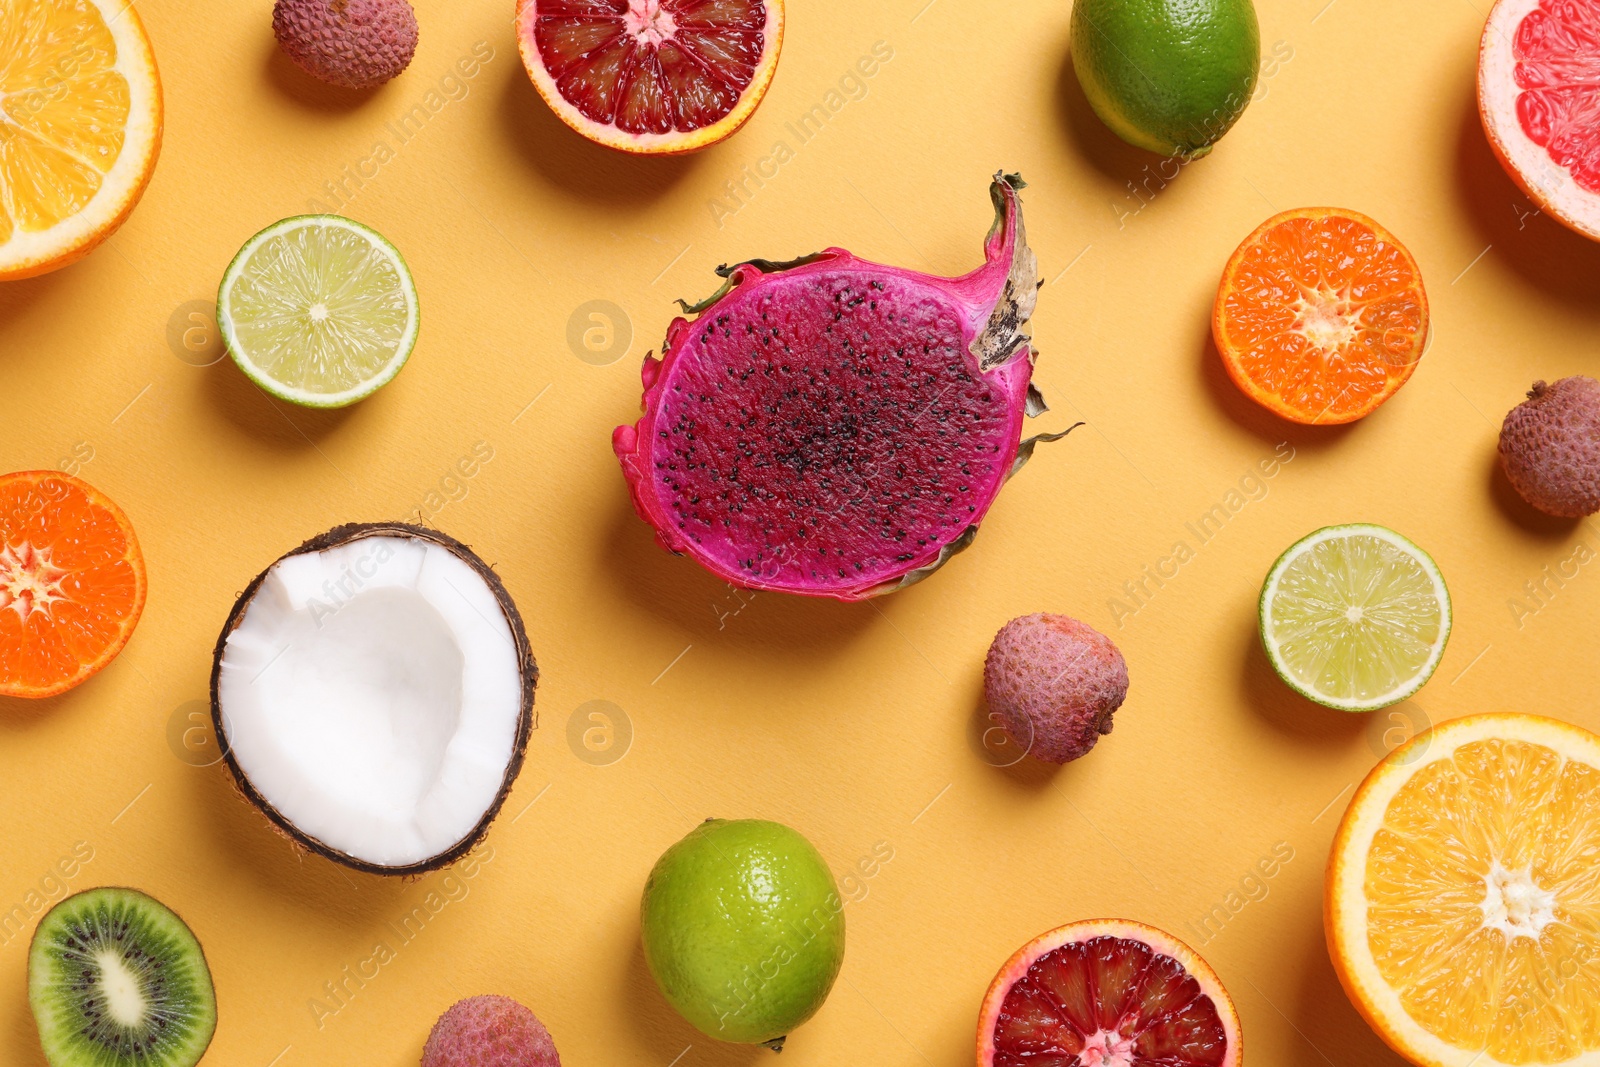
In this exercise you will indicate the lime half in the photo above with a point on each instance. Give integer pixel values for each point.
(318, 310)
(1355, 617)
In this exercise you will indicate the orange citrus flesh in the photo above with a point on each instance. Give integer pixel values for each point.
(1321, 315)
(80, 124)
(72, 582)
(1469, 930)
(662, 76)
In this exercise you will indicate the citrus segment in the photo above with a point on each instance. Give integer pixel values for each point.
(72, 582)
(319, 310)
(651, 75)
(1355, 617)
(80, 126)
(1463, 904)
(1539, 98)
(1107, 993)
(1321, 315)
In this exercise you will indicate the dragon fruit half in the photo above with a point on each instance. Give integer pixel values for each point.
(834, 427)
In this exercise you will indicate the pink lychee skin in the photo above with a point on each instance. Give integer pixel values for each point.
(489, 1031)
(1055, 683)
(354, 43)
(1550, 447)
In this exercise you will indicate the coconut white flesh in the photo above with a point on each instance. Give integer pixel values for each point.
(371, 694)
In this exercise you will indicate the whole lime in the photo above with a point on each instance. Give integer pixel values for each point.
(743, 929)
(1170, 76)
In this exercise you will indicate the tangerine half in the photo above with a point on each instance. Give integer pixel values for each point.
(72, 582)
(1321, 315)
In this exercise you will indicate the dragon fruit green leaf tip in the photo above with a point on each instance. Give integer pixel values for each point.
(833, 427)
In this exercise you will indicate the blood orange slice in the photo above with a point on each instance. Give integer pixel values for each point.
(1107, 993)
(72, 582)
(1539, 98)
(1321, 315)
(651, 76)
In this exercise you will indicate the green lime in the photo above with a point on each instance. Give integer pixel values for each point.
(743, 929)
(1170, 76)
(318, 310)
(1355, 617)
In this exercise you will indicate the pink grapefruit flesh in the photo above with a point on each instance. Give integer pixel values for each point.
(1539, 97)
(1107, 993)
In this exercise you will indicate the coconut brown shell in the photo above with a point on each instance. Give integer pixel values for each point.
(527, 720)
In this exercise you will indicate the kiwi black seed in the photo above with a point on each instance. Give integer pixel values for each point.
(116, 977)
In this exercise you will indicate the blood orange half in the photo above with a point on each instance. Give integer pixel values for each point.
(1539, 97)
(1107, 993)
(72, 582)
(1321, 315)
(651, 76)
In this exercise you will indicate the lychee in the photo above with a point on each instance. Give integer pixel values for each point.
(1055, 683)
(489, 1031)
(354, 43)
(1550, 447)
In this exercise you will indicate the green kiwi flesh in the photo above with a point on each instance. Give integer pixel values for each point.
(116, 977)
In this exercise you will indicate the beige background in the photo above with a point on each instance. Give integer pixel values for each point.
(854, 723)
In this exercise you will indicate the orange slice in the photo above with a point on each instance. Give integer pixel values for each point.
(1463, 897)
(1107, 993)
(1321, 315)
(71, 582)
(80, 126)
(651, 76)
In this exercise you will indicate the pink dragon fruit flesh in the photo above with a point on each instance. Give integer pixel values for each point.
(834, 427)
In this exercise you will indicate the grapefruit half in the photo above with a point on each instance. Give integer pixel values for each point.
(1107, 993)
(651, 76)
(1539, 97)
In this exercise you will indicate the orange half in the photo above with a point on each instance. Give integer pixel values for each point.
(1321, 315)
(651, 76)
(80, 128)
(1463, 896)
(72, 582)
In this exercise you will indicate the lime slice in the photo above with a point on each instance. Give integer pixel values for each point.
(318, 310)
(1355, 617)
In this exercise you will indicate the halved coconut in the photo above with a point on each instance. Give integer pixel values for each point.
(373, 693)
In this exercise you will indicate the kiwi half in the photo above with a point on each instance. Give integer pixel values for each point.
(115, 977)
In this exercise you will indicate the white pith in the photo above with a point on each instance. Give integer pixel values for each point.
(1515, 903)
(1354, 614)
(29, 582)
(1551, 183)
(371, 694)
(124, 994)
(1325, 318)
(141, 140)
(1347, 901)
(1106, 1048)
(648, 23)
